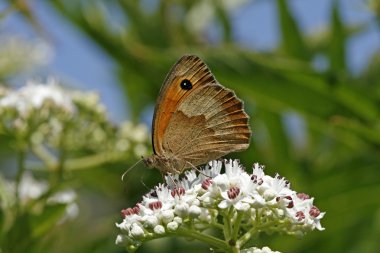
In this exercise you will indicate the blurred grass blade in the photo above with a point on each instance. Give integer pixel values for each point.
(276, 131)
(337, 45)
(292, 40)
(222, 15)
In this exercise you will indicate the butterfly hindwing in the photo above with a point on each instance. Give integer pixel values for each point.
(211, 124)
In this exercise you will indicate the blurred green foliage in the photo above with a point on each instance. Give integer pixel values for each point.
(334, 154)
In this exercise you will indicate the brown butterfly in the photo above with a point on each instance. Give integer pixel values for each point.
(196, 119)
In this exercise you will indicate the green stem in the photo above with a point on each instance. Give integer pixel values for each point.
(229, 231)
(227, 224)
(46, 157)
(217, 225)
(20, 173)
(235, 249)
(236, 225)
(245, 238)
(62, 155)
(93, 160)
(208, 239)
(61, 163)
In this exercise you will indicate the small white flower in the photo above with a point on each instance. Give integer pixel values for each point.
(140, 150)
(240, 189)
(196, 202)
(212, 169)
(159, 229)
(123, 145)
(233, 197)
(120, 239)
(172, 226)
(140, 133)
(137, 231)
(178, 220)
(206, 216)
(167, 216)
(181, 209)
(258, 171)
(63, 197)
(150, 221)
(269, 194)
(29, 187)
(194, 211)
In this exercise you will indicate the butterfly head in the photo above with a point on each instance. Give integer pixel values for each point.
(165, 164)
(150, 162)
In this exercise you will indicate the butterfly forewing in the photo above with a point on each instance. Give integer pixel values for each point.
(189, 67)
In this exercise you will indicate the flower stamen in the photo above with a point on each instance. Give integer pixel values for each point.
(155, 205)
(303, 196)
(300, 215)
(233, 192)
(291, 203)
(178, 191)
(314, 211)
(206, 183)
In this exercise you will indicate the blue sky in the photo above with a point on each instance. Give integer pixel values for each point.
(79, 61)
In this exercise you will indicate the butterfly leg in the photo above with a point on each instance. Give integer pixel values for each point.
(172, 179)
(195, 168)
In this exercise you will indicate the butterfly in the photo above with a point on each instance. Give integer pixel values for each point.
(196, 119)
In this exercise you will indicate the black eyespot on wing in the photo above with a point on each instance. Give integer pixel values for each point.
(186, 84)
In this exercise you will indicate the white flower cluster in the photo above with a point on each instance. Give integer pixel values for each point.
(242, 205)
(30, 190)
(39, 110)
(130, 133)
(18, 54)
(49, 115)
(34, 95)
(258, 250)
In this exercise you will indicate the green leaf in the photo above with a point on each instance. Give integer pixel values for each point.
(41, 224)
(19, 238)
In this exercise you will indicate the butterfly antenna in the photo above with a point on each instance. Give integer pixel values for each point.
(130, 168)
(143, 183)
